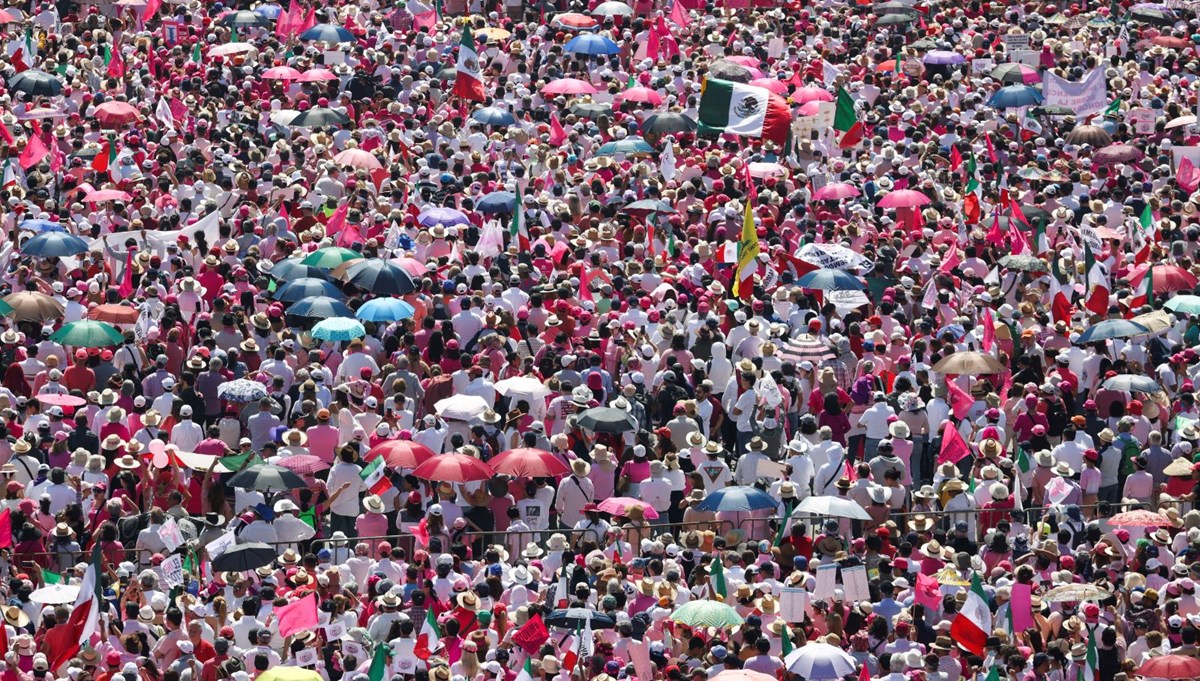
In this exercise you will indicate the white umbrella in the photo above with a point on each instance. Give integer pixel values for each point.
(55, 594)
(820, 662)
(522, 385)
(837, 507)
(461, 407)
(284, 116)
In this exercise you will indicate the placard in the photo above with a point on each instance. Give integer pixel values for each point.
(334, 631)
(172, 570)
(170, 534)
(826, 581)
(854, 582)
(1027, 57)
(1016, 41)
(982, 65)
(334, 57)
(220, 545)
(793, 604)
(355, 649)
(309, 657)
(1142, 119)
(845, 301)
(775, 48)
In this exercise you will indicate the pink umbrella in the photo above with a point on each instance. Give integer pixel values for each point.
(281, 73)
(61, 400)
(773, 84)
(641, 94)
(575, 20)
(569, 86)
(106, 195)
(903, 198)
(411, 265)
(357, 158)
(748, 62)
(7, 18)
(317, 75)
(765, 170)
(230, 49)
(116, 114)
(810, 93)
(810, 109)
(304, 464)
(621, 506)
(836, 191)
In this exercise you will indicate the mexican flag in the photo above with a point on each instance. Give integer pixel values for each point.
(1142, 235)
(744, 110)
(1060, 303)
(845, 120)
(973, 623)
(374, 476)
(1097, 283)
(468, 76)
(428, 640)
(379, 662)
(51, 577)
(67, 638)
(526, 671)
(973, 194)
(517, 229)
(106, 159)
(1087, 670)
(1041, 243)
(747, 265)
(1144, 288)
(716, 577)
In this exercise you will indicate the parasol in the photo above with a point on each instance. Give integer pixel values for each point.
(969, 362)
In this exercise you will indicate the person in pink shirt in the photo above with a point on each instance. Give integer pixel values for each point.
(372, 522)
(323, 437)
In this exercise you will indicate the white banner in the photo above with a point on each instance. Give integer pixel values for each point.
(172, 570)
(221, 544)
(835, 257)
(1085, 97)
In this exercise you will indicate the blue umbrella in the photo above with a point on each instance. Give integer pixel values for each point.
(307, 287)
(338, 329)
(291, 268)
(1014, 96)
(385, 310)
(591, 43)
(442, 216)
(627, 146)
(54, 245)
(497, 202)
(830, 280)
(737, 499)
(320, 307)
(328, 33)
(269, 11)
(493, 115)
(1109, 329)
(242, 391)
(42, 226)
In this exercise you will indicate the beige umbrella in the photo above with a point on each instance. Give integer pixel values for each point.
(969, 363)
(339, 272)
(1180, 122)
(31, 306)
(1089, 134)
(1155, 321)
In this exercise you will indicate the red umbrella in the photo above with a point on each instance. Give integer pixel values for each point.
(454, 468)
(411, 265)
(903, 198)
(809, 93)
(569, 86)
(1139, 518)
(116, 114)
(1171, 41)
(401, 453)
(575, 20)
(775, 85)
(744, 60)
(303, 464)
(317, 75)
(526, 462)
(114, 314)
(1170, 667)
(1166, 278)
(836, 191)
(281, 73)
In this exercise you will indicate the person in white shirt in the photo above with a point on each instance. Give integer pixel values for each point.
(345, 483)
(187, 433)
(574, 492)
(714, 472)
(656, 489)
(875, 422)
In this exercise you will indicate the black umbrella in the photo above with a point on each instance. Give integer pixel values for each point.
(1032, 213)
(1024, 263)
(245, 557)
(730, 70)
(577, 618)
(34, 83)
(667, 123)
(380, 277)
(1153, 15)
(266, 477)
(1052, 110)
(590, 109)
(607, 420)
(244, 19)
(318, 116)
(287, 270)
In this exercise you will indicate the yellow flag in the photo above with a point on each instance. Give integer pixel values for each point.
(747, 252)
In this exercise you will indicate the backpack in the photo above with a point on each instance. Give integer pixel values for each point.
(1129, 451)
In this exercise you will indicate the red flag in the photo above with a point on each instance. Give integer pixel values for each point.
(954, 448)
(310, 20)
(1017, 237)
(956, 159)
(679, 15)
(350, 237)
(116, 65)
(652, 45)
(5, 134)
(150, 10)
(425, 19)
(987, 139)
(989, 332)
(297, 616)
(557, 134)
(283, 24)
(952, 260)
(972, 211)
(35, 150)
(338, 220)
(1187, 177)
(863, 674)
(960, 401)
(532, 635)
(927, 591)
(6, 541)
(1017, 213)
(585, 283)
(994, 234)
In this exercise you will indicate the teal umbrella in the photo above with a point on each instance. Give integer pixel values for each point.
(338, 329)
(88, 334)
(628, 146)
(702, 613)
(1187, 304)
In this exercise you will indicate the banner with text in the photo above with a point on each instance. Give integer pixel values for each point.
(1085, 97)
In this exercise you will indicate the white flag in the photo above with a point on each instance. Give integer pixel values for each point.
(829, 72)
(667, 162)
(162, 112)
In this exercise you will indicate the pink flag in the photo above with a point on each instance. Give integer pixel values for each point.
(652, 45)
(953, 259)
(557, 134)
(350, 237)
(1187, 176)
(989, 332)
(639, 653)
(126, 288)
(863, 674)
(151, 9)
(1017, 237)
(994, 234)
(425, 19)
(927, 592)
(987, 139)
(338, 220)
(954, 448)
(116, 65)
(1021, 607)
(283, 24)
(679, 15)
(297, 616)
(960, 401)
(35, 150)
(5, 134)
(310, 20)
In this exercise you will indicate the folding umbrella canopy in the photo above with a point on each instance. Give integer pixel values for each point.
(1186, 304)
(242, 391)
(320, 307)
(357, 158)
(1166, 278)
(494, 116)
(319, 116)
(578, 618)
(245, 557)
(31, 306)
(836, 191)
(737, 499)
(667, 123)
(401, 453)
(380, 277)
(837, 507)
(289, 674)
(244, 19)
(575, 20)
(527, 462)
(114, 114)
(306, 287)
(1016, 74)
(526, 386)
(903, 198)
(1015, 96)
(267, 476)
(621, 505)
(820, 662)
(385, 310)
(303, 464)
(36, 83)
(281, 73)
(830, 280)
(54, 245)
(461, 407)
(330, 257)
(317, 75)
(1109, 329)
(291, 269)
(812, 93)
(569, 86)
(642, 95)
(1139, 518)
(612, 8)
(442, 216)
(1132, 383)
(497, 202)
(592, 44)
(628, 146)
(338, 329)
(969, 362)
(88, 334)
(114, 314)
(607, 420)
(328, 33)
(1119, 153)
(705, 613)
(453, 468)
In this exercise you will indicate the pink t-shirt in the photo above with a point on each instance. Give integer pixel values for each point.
(1089, 480)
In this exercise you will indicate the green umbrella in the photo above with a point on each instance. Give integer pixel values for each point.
(1185, 304)
(707, 614)
(331, 257)
(88, 334)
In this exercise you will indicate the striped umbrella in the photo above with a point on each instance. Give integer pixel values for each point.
(704, 613)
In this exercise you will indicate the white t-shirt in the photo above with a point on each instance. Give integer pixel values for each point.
(745, 403)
